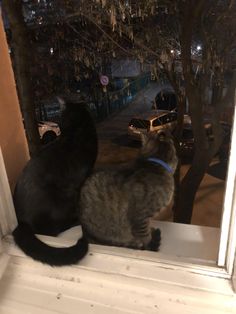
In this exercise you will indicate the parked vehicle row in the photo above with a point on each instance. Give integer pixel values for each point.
(153, 121)
(161, 118)
(187, 141)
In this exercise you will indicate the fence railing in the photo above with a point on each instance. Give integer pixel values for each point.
(107, 104)
(112, 102)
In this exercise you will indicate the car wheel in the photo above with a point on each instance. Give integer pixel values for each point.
(48, 137)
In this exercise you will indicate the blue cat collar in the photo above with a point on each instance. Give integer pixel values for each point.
(162, 163)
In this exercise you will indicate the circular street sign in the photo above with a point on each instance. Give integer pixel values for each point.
(104, 80)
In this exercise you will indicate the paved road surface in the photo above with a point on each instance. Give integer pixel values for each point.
(117, 125)
(114, 145)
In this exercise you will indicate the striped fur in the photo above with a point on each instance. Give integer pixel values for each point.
(116, 206)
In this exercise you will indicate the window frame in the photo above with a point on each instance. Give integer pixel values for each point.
(227, 246)
(7, 214)
(8, 220)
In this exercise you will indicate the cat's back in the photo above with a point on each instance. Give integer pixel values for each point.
(36, 178)
(102, 187)
(73, 152)
(45, 163)
(150, 176)
(104, 207)
(60, 168)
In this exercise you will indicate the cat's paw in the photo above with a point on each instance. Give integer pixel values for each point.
(155, 241)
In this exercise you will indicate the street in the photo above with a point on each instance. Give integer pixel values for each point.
(115, 148)
(114, 145)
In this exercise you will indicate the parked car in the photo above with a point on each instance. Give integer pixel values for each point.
(48, 131)
(151, 121)
(187, 141)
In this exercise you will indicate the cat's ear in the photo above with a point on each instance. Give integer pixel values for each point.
(144, 138)
(62, 103)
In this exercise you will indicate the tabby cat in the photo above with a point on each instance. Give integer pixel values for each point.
(46, 193)
(116, 206)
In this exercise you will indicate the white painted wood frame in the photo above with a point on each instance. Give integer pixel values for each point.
(227, 247)
(7, 213)
(8, 219)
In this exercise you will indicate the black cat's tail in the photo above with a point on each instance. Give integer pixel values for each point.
(33, 247)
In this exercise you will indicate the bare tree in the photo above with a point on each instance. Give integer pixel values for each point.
(212, 25)
(190, 42)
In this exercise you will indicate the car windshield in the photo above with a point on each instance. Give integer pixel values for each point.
(140, 123)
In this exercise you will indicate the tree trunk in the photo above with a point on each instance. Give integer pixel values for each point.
(202, 155)
(189, 187)
(22, 56)
(181, 103)
(191, 181)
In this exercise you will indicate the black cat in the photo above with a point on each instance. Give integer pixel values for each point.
(46, 193)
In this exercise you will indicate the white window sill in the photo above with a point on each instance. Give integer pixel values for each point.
(115, 280)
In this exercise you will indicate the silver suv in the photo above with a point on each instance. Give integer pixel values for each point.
(151, 121)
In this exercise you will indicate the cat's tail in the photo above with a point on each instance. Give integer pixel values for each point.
(38, 250)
